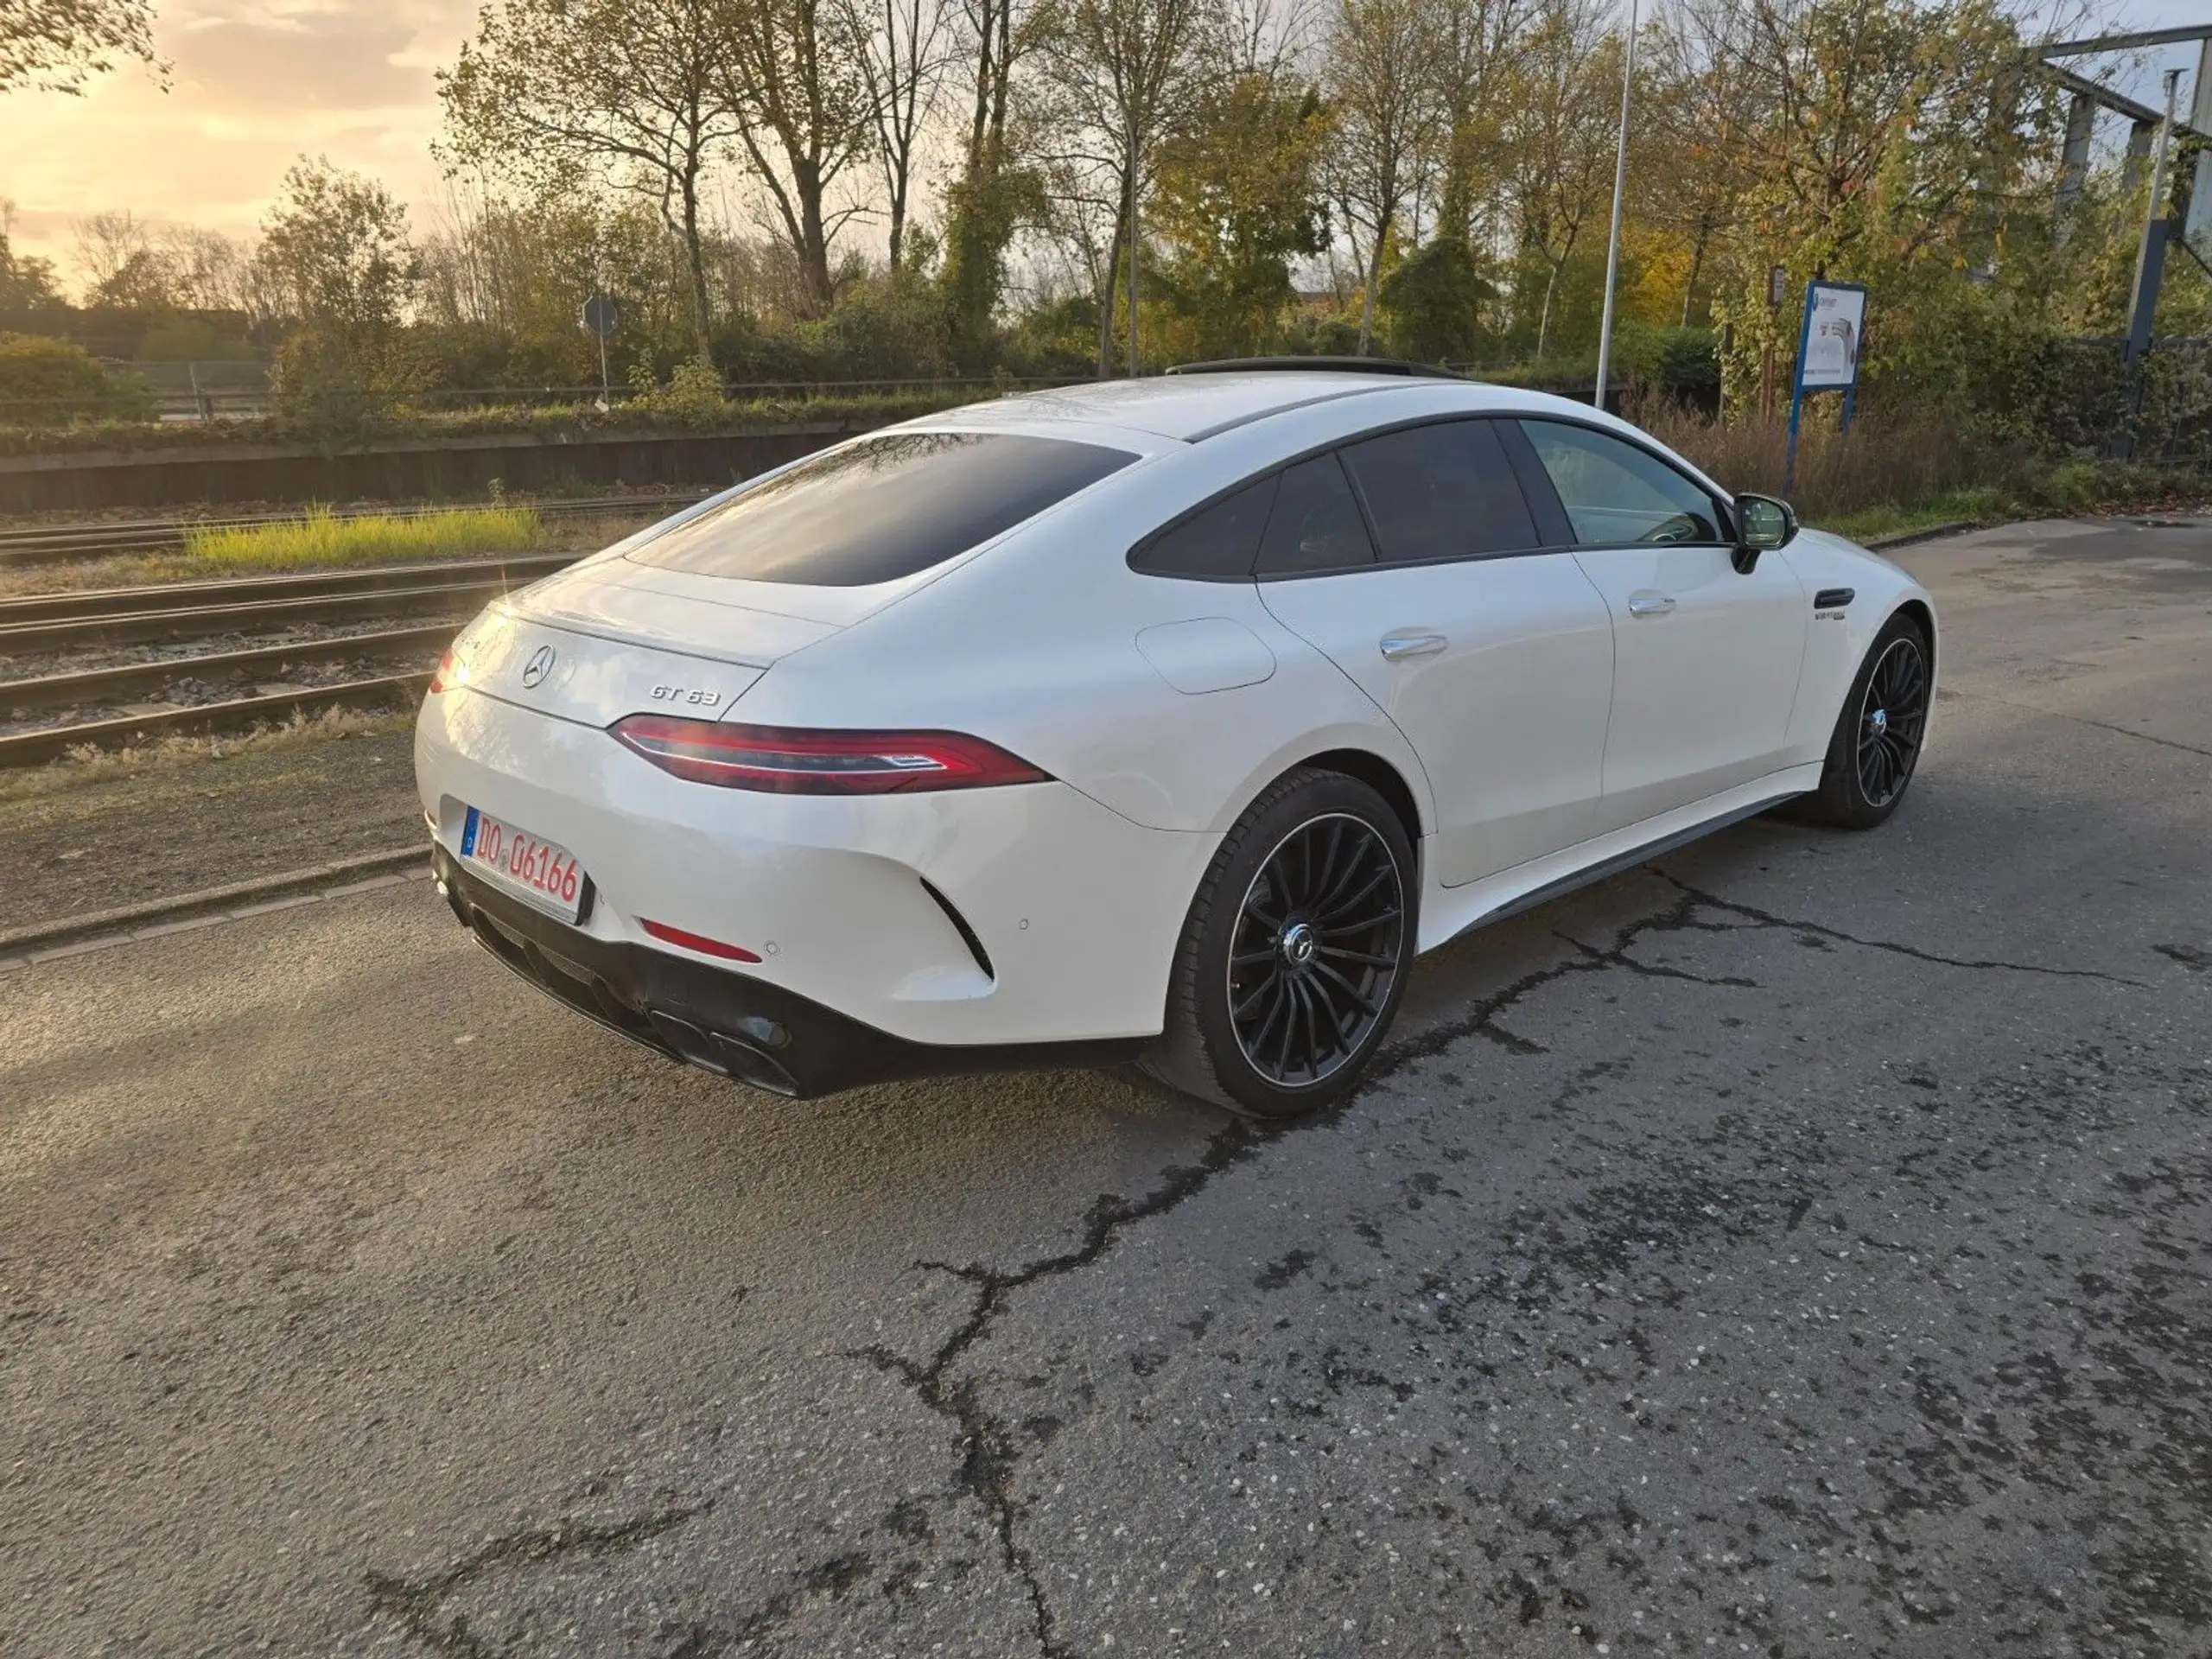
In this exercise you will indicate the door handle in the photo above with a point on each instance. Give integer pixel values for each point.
(1396, 646)
(1649, 604)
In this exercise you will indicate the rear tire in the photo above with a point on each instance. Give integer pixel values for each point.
(1294, 957)
(1876, 745)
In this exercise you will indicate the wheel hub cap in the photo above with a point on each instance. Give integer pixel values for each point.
(1298, 943)
(1879, 720)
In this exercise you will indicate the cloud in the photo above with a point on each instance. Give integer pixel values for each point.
(255, 84)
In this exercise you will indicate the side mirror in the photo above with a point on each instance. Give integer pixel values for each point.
(1762, 523)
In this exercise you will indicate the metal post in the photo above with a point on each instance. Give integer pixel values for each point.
(1133, 241)
(2073, 158)
(1613, 241)
(2150, 257)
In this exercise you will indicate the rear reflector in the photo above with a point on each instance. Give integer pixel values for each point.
(704, 946)
(790, 760)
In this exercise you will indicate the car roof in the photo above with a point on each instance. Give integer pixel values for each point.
(1184, 407)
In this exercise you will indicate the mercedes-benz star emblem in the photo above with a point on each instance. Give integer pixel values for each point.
(539, 665)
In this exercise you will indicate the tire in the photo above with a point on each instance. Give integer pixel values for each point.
(1313, 892)
(1876, 745)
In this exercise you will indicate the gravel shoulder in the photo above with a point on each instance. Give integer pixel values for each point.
(128, 837)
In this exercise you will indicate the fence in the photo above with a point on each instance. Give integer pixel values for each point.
(210, 391)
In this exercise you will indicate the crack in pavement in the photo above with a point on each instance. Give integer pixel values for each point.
(414, 1601)
(2078, 719)
(991, 1455)
(1768, 919)
(987, 1467)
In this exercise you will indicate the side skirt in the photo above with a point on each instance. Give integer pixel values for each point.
(1446, 913)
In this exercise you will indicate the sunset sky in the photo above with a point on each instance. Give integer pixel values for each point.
(256, 83)
(252, 85)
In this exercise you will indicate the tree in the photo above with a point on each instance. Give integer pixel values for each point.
(634, 89)
(336, 257)
(59, 45)
(1562, 135)
(27, 285)
(1383, 92)
(792, 70)
(1477, 46)
(1238, 199)
(1122, 76)
(985, 204)
(905, 51)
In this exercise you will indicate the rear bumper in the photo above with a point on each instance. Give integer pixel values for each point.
(728, 1023)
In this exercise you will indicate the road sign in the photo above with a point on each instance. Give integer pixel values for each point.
(1828, 342)
(600, 315)
(1778, 284)
(1835, 323)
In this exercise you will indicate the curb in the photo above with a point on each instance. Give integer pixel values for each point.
(1907, 538)
(44, 941)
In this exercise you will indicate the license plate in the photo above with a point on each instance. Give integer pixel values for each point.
(527, 866)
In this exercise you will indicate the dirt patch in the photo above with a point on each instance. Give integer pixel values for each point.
(131, 837)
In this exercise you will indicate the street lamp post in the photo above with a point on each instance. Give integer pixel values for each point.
(1613, 241)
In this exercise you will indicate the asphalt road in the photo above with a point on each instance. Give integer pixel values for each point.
(1798, 1246)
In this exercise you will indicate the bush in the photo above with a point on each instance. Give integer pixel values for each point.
(47, 382)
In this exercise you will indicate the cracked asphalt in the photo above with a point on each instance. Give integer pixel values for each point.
(1798, 1246)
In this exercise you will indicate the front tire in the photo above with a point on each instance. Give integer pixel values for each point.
(1293, 959)
(1876, 743)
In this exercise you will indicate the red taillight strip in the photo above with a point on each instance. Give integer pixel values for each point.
(788, 761)
(704, 946)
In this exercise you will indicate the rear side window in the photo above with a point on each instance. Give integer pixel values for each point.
(1615, 492)
(1217, 543)
(1315, 525)
(883, 508)
(1441, 492)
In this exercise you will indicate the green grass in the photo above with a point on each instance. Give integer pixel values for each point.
(1975, 506)
(322, 538)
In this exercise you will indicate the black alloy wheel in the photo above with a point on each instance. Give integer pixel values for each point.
(1315, 952)
(1295, 954)
(1892, 713)
(1874, 747)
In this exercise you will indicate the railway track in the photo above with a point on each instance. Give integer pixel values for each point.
(49, 544)
(432, 600)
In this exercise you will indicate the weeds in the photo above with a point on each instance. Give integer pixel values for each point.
(323, 538)
(86, 764)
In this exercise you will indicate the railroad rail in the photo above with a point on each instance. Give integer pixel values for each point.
(433, 599)
(51, 543)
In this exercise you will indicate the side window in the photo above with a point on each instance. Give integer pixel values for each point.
(1441, 492)
(1614, 491)
(1316, 524)
(1216, 543)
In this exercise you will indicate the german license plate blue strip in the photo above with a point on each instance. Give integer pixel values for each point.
(468, 835)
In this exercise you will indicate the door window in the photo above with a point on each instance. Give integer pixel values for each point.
(1615, 492)
(1441, 492)
(1316, 524)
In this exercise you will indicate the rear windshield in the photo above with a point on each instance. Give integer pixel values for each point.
(882, 508)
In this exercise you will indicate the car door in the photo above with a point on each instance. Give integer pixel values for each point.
(1706, 657)
(1412, 561)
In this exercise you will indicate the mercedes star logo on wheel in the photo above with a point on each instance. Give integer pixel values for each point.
(539, 665)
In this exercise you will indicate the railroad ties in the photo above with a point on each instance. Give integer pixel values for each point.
(426, 604)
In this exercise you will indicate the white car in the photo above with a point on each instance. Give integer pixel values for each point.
(1164, 720)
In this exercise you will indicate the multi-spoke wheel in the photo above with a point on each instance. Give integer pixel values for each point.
(1893, 711)
(1876, 743)
(1294, 956)
(1315, 950)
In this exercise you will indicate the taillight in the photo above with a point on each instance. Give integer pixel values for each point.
(447, 672)
(790, 760)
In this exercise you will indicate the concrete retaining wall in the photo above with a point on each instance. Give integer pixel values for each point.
(400, 469)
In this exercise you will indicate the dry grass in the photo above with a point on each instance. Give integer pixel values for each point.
(91, 766)
(1898, 463)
